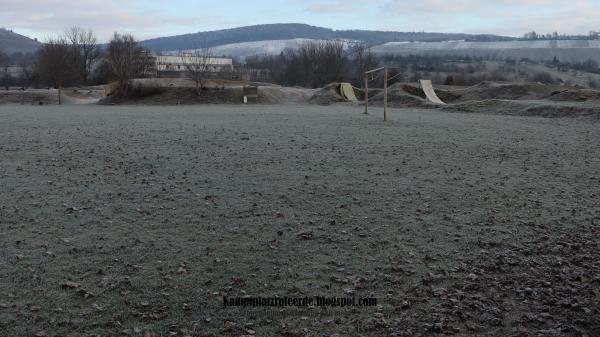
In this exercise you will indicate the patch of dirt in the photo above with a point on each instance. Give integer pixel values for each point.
(89, 95)
(284, 95)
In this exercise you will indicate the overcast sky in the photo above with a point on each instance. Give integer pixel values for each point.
(149, 18)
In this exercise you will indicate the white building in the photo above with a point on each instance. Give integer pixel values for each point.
(13, 71)
(177, 64)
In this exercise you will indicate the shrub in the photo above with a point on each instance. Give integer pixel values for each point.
(138, 90)
(543, 77)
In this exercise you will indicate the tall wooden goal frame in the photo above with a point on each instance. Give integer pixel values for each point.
(385, 74)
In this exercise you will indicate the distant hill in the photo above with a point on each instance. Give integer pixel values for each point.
(11, 42)
(289, 31)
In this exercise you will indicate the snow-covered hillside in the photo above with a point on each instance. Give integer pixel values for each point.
(575, 50)
(271, 47)
(565, 50)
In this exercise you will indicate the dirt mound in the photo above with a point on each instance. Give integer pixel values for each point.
(489, 92)
(408, 89)
(174, 95)
(574, 95)
(510, 91)
(447, 96)
(412, 96)
(81, 96)
(399, 99)
(402, 100)
(178, 96)
(327, 95)
(360, 93)
(402, 95)
(271, 95)
(283, 95)
(526, 108)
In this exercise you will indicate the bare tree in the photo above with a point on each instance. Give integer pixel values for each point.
(54, 61)
(5, 78)
(331, 54)
(4, 61)
(321, 62)
(314, 64)
(197, 65)
(28, 72)
(364, 60)
(127, 59)
(85, 50)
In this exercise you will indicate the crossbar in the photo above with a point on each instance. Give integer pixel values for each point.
(375, 70)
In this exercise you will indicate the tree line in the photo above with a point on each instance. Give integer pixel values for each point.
(76, 58)
(592, 35)
(317, 63)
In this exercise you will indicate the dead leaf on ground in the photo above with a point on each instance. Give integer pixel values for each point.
(306, 235)
(85, 293)
(70, 285)
(238, 281)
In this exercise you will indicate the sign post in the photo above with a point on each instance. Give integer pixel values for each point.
(366, 94)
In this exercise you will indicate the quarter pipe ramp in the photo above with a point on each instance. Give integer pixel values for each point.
(347, 91)
(430, 92)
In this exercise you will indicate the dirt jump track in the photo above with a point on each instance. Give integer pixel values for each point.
(508, 98)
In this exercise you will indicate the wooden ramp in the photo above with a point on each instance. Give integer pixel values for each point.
(347, 91)
(430, 92)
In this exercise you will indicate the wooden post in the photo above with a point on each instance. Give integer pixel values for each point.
(366, 94)
(59, 100)
(367, 90)
(385, 93)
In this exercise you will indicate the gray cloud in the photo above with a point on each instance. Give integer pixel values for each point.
(50, 17)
